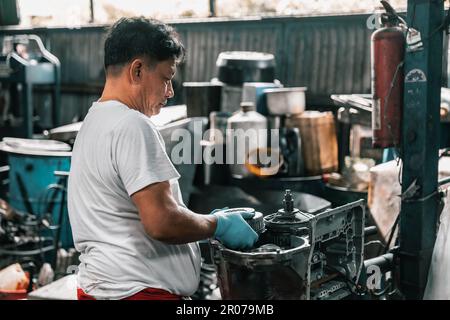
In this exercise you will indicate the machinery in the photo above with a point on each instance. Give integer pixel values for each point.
(21, 237)
(407, 73)
(25, 63)
(298, 256)
(36, 180)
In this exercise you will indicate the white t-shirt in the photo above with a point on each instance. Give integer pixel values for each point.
(117, 152)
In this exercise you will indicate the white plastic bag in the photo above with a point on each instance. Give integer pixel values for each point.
(438, 285)
(13, 278)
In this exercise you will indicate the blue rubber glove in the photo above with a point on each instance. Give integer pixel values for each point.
(233, 231)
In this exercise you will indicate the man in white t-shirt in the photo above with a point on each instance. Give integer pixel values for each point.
(136, 237)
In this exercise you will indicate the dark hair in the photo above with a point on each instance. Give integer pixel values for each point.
(129, 38)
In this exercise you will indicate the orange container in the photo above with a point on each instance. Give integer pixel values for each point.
(319, 141)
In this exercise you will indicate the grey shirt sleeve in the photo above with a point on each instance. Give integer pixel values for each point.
(139, 157)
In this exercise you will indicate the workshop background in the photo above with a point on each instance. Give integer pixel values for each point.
(356, 92)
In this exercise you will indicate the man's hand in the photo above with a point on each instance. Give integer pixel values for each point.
(233, 231)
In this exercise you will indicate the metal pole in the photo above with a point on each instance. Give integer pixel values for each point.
(56, 96)
(420, 145)
(57, 238)
(91, 8)
(212, 8)
(28, 108)
(385, 262)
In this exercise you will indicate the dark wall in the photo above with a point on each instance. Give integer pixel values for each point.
(329, 54)
(9, 13)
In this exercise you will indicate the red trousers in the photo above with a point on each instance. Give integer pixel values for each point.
(146, 294)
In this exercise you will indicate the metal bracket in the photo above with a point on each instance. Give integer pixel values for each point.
(410, 191)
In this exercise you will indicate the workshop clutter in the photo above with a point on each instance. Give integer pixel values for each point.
(258, 127)
(34, 227)
(355, 174)
(268, 134)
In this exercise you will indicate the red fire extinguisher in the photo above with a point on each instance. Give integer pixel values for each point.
(387, 54)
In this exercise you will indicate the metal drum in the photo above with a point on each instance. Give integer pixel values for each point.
(267, 272)
(237, 67)
(33, 185)
(253, 127)
(319, 141)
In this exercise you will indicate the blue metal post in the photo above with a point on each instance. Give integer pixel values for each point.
(420, 145)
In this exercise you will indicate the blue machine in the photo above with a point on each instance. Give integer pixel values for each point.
(24, 64)
(33, 185)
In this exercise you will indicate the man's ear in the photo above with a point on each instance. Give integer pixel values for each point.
(135, 71)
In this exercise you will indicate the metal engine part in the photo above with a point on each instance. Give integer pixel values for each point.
(256, 222)
(298, 256)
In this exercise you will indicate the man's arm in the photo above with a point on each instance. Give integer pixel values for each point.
(166, 221)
